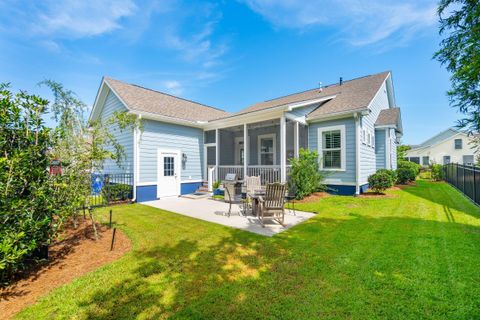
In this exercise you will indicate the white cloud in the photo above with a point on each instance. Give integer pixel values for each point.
(65, 19)
(359, 22)
(173, 87)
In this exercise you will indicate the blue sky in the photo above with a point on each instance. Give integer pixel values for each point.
(230, 54)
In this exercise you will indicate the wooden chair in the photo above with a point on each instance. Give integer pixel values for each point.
(252, 185)
(272, 205)
(231, 197)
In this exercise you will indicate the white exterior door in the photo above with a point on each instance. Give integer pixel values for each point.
(168, 173)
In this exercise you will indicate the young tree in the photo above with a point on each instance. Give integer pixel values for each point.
(460, 53)
(83, 146)
(402, 152)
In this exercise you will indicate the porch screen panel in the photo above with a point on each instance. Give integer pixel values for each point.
(303, 136)
(210, 136)
(290, 137)
(211, 153)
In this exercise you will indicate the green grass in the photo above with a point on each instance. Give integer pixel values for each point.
(414, 255)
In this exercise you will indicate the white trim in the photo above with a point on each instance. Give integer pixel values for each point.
(178, 168)
(191, 181)
(343, 147)
(259, 155)
(339, 183)
(217, 152)
(136, 160)
(357, 154)
(305, 103)
(157, 117)
(283, 149)
(296, 140)
(335, 115)
(142, 184)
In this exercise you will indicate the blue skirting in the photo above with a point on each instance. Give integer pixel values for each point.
(189, 187)
(149, 193)
(345, 190)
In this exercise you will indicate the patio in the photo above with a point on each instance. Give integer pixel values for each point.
(215, 211)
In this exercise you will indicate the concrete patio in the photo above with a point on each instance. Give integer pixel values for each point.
(216, 211)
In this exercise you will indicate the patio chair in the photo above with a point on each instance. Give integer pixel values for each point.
(272, 205)
(252, 185)
(231, 197)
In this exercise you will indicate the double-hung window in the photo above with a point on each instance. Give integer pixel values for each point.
(332, 147)
(458, 144)
(267, 149)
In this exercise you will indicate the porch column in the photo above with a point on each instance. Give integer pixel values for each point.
(296, 140)
(217, 152)
(245, 150)
(283, 151)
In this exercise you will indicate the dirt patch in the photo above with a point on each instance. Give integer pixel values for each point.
(371, 194)
(403, 186)
(314, 197)
(75, 254)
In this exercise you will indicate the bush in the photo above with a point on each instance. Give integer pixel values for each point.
(117, 192)
(391, 173)
(305, 175)
(410, 165)
(380, 181)
(437, 172)
(405, 175)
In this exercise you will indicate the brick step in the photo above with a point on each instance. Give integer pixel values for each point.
(202, 189)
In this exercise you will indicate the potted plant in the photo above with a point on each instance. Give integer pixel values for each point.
(216, 189)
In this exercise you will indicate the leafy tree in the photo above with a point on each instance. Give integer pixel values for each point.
(28, 206)
(305, 174)
(402, 152)
(460, 53)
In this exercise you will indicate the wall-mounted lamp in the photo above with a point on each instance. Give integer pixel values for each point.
(184, 157)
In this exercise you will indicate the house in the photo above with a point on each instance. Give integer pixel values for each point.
(354, 125)
(449, 146)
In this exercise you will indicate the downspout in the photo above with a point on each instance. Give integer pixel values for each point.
(136, 164)
(357, 153)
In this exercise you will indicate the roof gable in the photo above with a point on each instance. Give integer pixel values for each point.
(444, 135)
(145, 100)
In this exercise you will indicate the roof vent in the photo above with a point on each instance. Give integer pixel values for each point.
(320, 87)
(341, 81)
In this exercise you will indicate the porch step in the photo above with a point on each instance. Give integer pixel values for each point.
(203, 189)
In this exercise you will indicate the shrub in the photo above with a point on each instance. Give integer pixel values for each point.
(391, 173)
(405, 175)
(117, 192)
(305, 174)
(410, 165)
(216, 184)
(437, 172)
(380, 181)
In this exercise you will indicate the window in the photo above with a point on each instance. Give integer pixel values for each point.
(332, 147)
(426, 161)
(468, 160)
(458, 143)
(266, 149)
(446, 159)
(415, 160)
(168, 166)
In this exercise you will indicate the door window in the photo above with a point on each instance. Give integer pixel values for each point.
(266, 151)
(168, 166)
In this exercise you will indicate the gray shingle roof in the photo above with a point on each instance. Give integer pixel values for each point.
(145, 100)
(351, 95)
(388, 117)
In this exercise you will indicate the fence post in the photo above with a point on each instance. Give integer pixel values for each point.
(474, 184)
(463, 184)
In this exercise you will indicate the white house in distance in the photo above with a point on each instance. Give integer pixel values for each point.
(355, 126)
(449, 146)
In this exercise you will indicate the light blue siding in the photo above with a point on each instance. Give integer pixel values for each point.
(380, 148)
(367, 153)
(161, 135)
(337, 177)
(124, 138)
(393, 149)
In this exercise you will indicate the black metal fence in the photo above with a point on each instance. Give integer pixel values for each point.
(464, 178)
(108, 188)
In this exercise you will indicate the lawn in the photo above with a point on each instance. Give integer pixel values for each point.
(415, 254)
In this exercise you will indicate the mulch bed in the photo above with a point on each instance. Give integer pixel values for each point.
(314, 197)
(73, 255)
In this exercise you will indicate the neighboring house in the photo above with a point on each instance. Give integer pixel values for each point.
(354, 125)
(449, 146)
